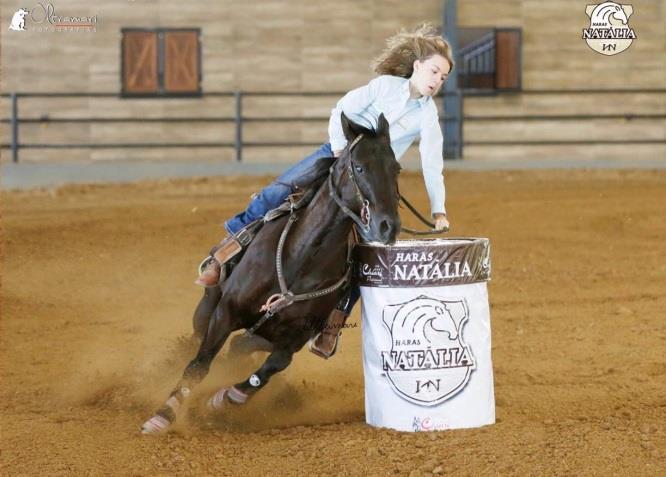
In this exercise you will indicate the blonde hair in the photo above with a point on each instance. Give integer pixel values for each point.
(403, 48)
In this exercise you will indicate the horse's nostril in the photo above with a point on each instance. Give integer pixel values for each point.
(384, 227)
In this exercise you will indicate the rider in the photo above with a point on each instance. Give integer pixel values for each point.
(412, 68)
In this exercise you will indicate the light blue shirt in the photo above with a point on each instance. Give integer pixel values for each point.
(408, 119)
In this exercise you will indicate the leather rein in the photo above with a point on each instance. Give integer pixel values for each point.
(413, 210)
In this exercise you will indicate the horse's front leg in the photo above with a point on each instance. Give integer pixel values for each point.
(239, 393)
(218, 331)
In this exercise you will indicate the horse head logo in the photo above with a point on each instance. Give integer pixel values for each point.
(601, 14)
(18, 20)
(609, 32)
(428, 361)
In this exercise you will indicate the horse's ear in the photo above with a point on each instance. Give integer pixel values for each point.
(382, 126)
(348, 127)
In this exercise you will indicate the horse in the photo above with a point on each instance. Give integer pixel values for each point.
(314, 256)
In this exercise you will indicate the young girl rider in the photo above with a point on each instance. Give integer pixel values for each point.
(411, 69)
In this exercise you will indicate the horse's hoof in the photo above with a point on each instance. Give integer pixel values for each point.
(155, 425)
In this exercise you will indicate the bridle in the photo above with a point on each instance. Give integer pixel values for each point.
(363, 220)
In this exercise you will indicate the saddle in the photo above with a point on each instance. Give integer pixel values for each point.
(305, 191)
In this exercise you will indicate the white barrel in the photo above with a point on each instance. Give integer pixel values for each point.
(426, 334)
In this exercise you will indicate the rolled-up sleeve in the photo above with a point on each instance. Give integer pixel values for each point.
(353, 102)
(432, 160)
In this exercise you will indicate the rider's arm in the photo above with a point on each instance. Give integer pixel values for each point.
(353, 102)
(432, 161)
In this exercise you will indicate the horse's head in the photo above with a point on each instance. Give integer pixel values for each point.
(366, 177)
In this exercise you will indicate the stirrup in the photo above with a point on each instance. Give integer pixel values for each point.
(332, 331)
(204, 263)
(222, 273)
(322, 353)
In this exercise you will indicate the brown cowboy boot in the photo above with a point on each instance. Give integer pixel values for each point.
(325, 344)
(211, 268)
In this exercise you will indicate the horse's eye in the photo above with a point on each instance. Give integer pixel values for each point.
(358, 169)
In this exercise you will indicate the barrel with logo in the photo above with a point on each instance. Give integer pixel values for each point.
(426, 334)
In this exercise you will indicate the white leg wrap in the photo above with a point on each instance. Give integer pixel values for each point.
(173, 403)
(216, 402)
(239, 397)
(155, 425)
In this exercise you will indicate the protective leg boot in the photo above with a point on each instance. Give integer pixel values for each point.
(210, 269)
(325, 344)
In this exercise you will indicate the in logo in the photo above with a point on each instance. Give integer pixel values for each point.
(18, 20)
(428, 362)
(609, 32)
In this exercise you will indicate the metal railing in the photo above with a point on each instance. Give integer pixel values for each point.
(238, 119)
(478, 57)
(476, 63)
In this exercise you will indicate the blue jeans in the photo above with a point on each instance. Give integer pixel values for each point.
(277, 191)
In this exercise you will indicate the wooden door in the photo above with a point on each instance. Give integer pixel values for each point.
(181, 61)
(508, 62)
(140, 75)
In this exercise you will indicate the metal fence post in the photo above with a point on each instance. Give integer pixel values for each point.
(452, 95)
(238, 119)
(460, 113)
(15, 126)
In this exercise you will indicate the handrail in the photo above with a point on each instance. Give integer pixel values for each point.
(238, 119)
(488, 37)
(478, 57)
(39, 94)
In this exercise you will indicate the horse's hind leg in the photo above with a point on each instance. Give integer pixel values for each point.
(218, 331)
(204, 311)
(239, 393)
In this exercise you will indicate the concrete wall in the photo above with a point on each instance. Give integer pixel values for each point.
(299, 45)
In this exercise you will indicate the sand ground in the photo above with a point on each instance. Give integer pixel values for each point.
(97, 297)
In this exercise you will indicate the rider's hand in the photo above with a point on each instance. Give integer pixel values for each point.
(441, 222)
(337, 153)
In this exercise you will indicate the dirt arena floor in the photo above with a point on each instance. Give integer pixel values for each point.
(97, 297)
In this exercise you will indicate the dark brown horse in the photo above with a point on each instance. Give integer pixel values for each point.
(315, 256)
